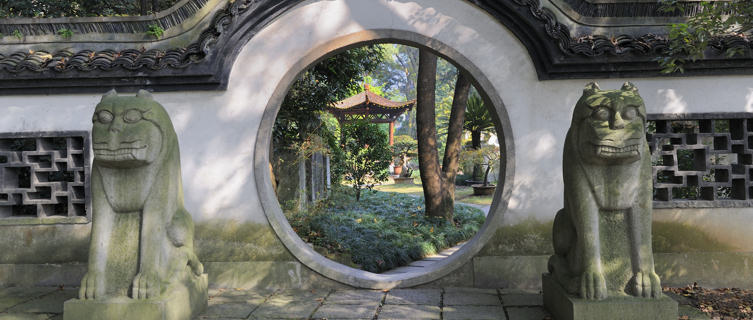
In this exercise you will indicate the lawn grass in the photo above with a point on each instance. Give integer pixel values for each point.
(383, 231)
(462, 193)
(412, 189)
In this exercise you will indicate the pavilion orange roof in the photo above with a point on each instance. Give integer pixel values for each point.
(369, 106)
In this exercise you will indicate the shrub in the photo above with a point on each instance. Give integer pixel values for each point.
(365, 156)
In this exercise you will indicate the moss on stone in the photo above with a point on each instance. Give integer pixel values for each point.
(229, 240)
(679, 237)
(533, 237)
(530, 237)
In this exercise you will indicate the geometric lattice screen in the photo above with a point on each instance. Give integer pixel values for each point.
(44, 176)
(702, 160)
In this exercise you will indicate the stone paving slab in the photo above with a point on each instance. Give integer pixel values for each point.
(527, 300)
(470, 290)
(518, 291)
(473, 312)
(414, 296)
(471, 299)
(229, 310)
(50, 303)
(241, 295)
(25, 316)
(347, 311)
(459, 303)
(237, 299)
(409, 312)
(285, 310)
(355, 297)
(527, 313)
(299, 295)
(10, 297)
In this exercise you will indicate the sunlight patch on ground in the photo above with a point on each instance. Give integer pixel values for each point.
(462, 193)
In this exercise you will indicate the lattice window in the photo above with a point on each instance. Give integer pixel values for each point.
(702, 160)
(44, 177)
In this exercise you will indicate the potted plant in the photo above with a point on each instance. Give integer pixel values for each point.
(486, 157)
(403, 148)
(407, 175)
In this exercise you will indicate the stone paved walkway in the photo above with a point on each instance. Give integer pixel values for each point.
(446, 303)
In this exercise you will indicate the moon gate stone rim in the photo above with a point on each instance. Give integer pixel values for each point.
(360, 278)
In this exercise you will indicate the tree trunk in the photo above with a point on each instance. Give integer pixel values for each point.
(426, 132)
(143, 7)
(438, 182)
(476, 144)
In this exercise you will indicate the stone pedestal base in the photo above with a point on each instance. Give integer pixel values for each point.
(182, 303)
(565, 307)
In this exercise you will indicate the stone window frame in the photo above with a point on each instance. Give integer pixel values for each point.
(712, 148)
(70, 218)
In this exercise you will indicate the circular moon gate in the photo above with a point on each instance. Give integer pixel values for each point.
(355, 277)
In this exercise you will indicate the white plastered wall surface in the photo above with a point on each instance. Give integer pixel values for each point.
(217, 130)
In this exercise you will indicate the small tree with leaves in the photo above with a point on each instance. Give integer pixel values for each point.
(487, 156)
(366, 155)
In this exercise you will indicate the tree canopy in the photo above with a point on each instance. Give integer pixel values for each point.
(76, 8)
(689, 41)
(327, 82)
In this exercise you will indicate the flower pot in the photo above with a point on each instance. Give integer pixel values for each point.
(403, 180)
(397, 170)
(482, 190)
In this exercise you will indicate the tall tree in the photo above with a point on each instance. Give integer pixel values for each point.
(438, 181)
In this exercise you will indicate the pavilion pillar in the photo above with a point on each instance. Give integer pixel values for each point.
(392, 132)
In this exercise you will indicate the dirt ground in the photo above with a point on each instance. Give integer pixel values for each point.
(722, 303)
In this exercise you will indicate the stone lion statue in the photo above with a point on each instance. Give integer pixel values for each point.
(142, 236)
(602, 237)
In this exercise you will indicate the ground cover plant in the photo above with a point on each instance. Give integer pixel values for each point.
(463, 194)
(383, 230)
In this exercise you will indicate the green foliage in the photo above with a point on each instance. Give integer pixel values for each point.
(383, 230)
(365, 156)
(689, 41)
(18, 34)
(65, 33)
(487, 156)
(477, 117)
(155, 30)
(325, 83)
(76, 8)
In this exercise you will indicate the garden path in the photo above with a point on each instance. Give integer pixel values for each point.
(419, 265)
(484, 208)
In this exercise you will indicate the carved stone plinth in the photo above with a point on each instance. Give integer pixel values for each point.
(185, 302)
(568, 307)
